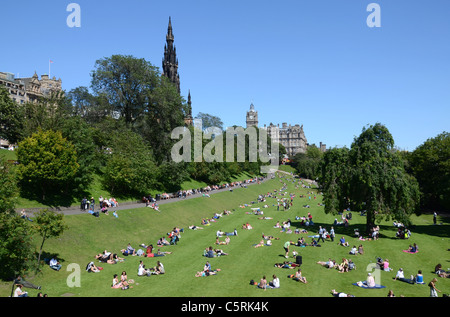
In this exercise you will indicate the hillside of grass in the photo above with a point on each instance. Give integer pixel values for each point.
(89, 236)
(96, 189)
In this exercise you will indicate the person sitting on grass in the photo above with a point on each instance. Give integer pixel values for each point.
(142, 271)
(205, 222)
(298, 277)
(207, 271)
(343, 267)
(116, 283)
(218, 242)
(440, 271)
(159, 268)
(370, 281)
(54, 264)
(275, 283)
(343, 242)
(263, 283)
(301, 242)
(418, 279)
(413, 248)
(129, 250)
(19, 293)
(91, 267)
(401, 277)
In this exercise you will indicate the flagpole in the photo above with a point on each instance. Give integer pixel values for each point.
(49, 69)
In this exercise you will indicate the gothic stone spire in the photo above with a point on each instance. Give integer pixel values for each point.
(170, 61)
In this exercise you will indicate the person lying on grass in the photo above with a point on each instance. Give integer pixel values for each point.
(340, 294)
(286, 265)
(328, 264)
(265, 237)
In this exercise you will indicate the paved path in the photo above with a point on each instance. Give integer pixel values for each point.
(75, 210)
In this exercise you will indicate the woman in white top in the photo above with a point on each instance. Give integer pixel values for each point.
(19, 293)
(275, 283)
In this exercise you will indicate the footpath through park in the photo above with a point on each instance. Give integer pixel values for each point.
(76, 209)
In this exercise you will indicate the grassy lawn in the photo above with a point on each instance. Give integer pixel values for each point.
(96, 190)
(89, 236)
(8, 155)
(286, 168)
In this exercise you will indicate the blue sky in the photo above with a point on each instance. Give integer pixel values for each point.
(315, 63)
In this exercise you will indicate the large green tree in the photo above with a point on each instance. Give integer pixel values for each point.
(47, 164)
(11, 118)
(335, 179)
(127, 82)
(16, 245)
(307, 164)
(430, 164)
(130, 168)
(373, 179)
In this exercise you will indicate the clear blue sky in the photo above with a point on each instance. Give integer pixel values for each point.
(315, 63)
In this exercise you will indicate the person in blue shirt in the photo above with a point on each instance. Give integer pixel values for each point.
(342, 242)
(419, 278)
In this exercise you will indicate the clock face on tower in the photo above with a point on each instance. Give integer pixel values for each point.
(251, 117)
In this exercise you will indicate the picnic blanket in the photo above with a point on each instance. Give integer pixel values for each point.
(364, 285)
(407, 251)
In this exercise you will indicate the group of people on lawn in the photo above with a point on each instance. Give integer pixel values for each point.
(174, 236)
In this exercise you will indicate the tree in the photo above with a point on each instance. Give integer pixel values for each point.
(307, 164)
(130, 168)
(92, 108)
(48, 224)
(127, 82)
(166, 112)
(11, 118)
(16, 247)
(47, 113)
(334, 179)
(430, 164)
(47, 162)
(81, 135)
(209, 121)
(371, 177)
(8, 187)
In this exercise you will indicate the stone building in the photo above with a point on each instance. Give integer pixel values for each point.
(291, 137)
(28, 89)
(252, 117)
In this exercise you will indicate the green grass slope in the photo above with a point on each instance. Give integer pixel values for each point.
(88, 236)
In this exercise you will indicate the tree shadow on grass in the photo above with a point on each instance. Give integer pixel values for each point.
(47, 256)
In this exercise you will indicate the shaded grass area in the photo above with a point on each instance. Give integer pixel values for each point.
(96, 189)
(88, 236)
